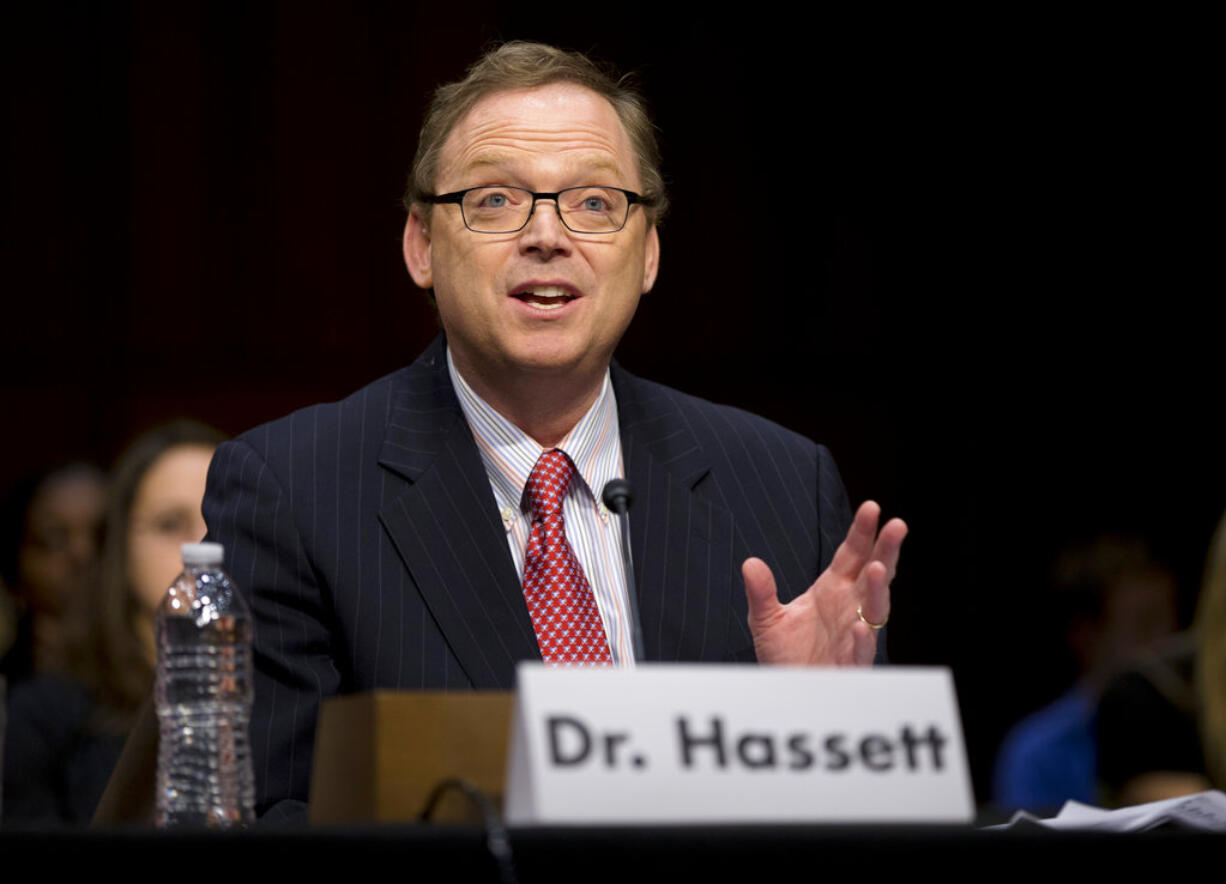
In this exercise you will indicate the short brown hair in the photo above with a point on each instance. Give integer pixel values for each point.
(523, 65)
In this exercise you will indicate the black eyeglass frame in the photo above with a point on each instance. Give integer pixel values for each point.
(457, 197)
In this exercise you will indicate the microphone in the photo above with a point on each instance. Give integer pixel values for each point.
(617, 496)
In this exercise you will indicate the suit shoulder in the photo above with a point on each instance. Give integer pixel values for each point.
(708, 421)
(346, 425)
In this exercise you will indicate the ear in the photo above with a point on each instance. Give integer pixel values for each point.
(651, 259)
(417, 250)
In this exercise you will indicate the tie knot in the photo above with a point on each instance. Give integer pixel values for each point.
(548, 482)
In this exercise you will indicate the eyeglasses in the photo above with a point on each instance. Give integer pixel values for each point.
(502, 209)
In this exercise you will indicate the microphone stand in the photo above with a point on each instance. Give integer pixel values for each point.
(618, 497)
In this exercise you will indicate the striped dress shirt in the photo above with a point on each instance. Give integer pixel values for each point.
(594, 446)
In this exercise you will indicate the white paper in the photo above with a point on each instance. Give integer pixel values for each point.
(1204, 810)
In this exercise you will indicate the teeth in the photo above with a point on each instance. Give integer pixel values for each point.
(546, 297)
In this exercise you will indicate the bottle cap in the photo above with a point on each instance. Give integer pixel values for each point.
(203, 554)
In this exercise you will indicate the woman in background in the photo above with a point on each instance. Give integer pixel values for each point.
(50, 533)
(65, 731)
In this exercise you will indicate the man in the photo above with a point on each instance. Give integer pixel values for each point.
(405, 538)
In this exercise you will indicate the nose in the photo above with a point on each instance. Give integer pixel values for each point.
(545, 236)
(82, 547)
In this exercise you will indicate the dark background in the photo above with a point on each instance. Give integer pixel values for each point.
(969, 254)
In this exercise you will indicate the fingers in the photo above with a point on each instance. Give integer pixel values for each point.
(854, 552)
(878, 574)
(875, 595)
(821, 625)
(868, 561)
(864, 645)
(863, 544)
(888, 544)
(760, 591)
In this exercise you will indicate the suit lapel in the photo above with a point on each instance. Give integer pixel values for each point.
(681, 542)
(445, 527)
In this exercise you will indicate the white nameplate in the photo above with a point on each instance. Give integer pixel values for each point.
(719, 744)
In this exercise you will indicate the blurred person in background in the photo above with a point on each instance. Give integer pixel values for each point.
(1162, 721)
(65, 730)
(50, 532)
(1116, 601)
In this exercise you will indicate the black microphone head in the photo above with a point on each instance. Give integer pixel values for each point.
(617, 495)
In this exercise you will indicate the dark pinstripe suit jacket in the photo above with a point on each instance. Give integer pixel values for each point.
(368, 541)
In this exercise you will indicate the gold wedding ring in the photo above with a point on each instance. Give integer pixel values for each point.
(872, 626)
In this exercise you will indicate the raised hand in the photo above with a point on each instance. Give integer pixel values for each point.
(832, 622)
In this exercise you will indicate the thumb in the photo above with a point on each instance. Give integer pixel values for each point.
(760, 592)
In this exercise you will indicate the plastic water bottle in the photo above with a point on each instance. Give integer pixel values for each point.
(203, 693)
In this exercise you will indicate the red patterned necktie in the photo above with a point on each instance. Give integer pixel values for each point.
(560, 600)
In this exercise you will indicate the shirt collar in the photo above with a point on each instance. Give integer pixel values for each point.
(509, 454)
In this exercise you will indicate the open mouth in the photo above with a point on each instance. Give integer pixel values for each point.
(547, 297)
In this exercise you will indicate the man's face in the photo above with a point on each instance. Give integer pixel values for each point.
(497, 293)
